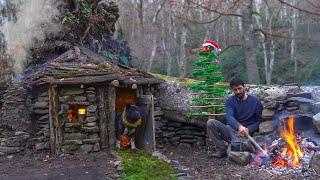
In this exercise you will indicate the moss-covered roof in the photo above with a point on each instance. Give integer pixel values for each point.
(82, 66)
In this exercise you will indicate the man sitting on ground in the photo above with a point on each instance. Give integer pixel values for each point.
(243, 117)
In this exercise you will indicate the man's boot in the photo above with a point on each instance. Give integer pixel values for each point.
(219, 153)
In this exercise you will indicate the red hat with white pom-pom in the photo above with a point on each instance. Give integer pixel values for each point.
(213, 44)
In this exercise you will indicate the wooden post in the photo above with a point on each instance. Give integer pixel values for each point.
(103, 117)
(111, 103)
(54, 121)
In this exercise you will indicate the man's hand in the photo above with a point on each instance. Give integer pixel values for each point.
(242, 131)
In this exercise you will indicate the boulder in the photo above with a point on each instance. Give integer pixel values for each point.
(96, 147)
(271, 105)
(266, 126)
(41, 105)
(315, 162)
(91, 141)
(267, 114)
(300, 100)
(316, 121)
(306, 95)
(80, 98)
(71, 91)
(86, 148)
(92, 109)
(242, 158)
(10, 150)
(90, 129)
(72, 136)
(40, 146)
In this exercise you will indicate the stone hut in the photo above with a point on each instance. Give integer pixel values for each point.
(68, 105)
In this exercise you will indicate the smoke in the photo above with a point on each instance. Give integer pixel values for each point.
(34, 19)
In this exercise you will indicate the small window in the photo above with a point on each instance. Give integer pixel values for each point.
(77, 113)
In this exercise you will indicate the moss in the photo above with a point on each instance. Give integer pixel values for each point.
(69, 147)
(140, 165)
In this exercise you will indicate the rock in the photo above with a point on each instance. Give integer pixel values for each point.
(90, 129)
(300, 100)
(44, 94)
(91, 89)
(91, 124)
(41, 105)
(174, 139)
(15, 141)
(184, 145)
(71, 91)
(267, 114)
(75, 142)
(315, 162)
(44, 118)
(40, 146)
(306, 95)
(10, 150)
(80, 98)
(96, 147)
(41, 111)
(92, 109)
(186, 136)
(292, 108)
(86, 148)
(281, 107)
(72, 136)
(168, 134)
(91, 98)
(159, 155)
(305, 107)
(91, 141)
(189, 141)
(242, 158)
(66, 148)
(174, 124)
(64, 99)
(91, 119)
(292, 104)
(266, 126)
(43, 99)
(21, 133)
(271, 105)
(93, 136)
(316, 121)
(316, 107)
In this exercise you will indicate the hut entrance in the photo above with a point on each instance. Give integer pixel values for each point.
(145, 134)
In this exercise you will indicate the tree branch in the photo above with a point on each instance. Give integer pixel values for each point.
(298, 8)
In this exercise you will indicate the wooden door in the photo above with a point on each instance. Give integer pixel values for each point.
(146, 132)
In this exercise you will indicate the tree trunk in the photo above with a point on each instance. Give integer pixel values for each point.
(153, 53)
(164, 46)
(183, 57)
(293, 36)
(249, 43)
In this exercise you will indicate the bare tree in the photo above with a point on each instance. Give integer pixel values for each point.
(249, 44)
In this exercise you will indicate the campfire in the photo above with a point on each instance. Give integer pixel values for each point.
(290, 151)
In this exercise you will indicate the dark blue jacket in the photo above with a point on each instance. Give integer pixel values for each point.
(247, 113)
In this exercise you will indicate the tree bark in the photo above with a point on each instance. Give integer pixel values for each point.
(293, 36)
(249, 44)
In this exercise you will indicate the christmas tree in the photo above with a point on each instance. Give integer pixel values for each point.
(209, 89)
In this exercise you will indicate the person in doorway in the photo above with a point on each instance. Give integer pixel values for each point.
(126, 124)
(243, 113)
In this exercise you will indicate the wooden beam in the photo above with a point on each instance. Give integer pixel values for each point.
(115, 83)
(110, 110)
(55, 122)
(103, 121)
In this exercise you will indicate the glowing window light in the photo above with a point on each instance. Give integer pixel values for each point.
(81, 111)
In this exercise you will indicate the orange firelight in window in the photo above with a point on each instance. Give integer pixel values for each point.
(81, 111)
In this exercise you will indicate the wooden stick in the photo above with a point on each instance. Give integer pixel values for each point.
(256, 144)
(219, 114)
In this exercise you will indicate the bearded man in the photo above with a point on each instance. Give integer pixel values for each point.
(243, 113)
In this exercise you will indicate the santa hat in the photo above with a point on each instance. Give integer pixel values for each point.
(213, 44)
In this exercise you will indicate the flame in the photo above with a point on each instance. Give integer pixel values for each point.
(292, 153)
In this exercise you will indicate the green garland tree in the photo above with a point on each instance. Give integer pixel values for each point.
(209, 88)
